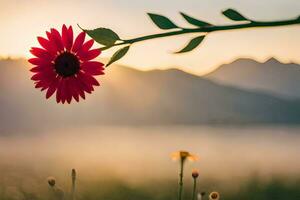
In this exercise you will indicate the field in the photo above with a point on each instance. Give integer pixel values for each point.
(135, 163)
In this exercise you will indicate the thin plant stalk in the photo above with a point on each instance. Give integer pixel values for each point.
(181, 179)
(73, 184)
(195, 175)
(194, 189)
(182, 156)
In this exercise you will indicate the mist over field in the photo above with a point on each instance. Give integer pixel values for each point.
(137, 160)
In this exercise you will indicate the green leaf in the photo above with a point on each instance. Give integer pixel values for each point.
(234, 15)
(162, 22)
(194, 21)
(118, 55)
(192, 44)
(103, 36)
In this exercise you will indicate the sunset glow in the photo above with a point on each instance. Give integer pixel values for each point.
(21, 21)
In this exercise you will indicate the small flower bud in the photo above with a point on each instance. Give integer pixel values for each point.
(214, 196)
(200, 195)
(51, 181)
(195, 173)
(73, 174)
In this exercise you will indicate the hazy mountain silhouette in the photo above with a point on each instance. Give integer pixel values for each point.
(271, 76)
(131, 97)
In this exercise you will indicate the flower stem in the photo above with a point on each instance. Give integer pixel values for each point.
(194, 189)
(73, 175)
(180, 179)
(212, 28)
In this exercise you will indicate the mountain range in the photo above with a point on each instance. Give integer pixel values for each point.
(159, 97)
(272, 77)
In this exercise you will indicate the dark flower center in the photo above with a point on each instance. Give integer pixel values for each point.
(66, 64)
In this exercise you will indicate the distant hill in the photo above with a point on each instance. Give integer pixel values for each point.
(131, 97)
(272, 76)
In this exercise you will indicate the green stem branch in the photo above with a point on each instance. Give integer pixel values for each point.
(208, 29)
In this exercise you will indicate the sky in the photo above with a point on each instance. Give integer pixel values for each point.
(21, 21)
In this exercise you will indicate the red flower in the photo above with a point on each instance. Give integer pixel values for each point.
(64, 66)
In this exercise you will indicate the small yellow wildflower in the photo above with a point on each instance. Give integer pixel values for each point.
(183, 155)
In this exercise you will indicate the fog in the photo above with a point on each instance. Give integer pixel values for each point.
(143, 153)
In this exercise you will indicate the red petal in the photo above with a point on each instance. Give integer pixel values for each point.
(36, 77)
(68, 91)
(85, 47)
(45, 76)
(79, 87)
(85, 85)
(74, 88)
(63, 95)
(93, 68)
(94, 65)
(39, 84)
(48, 35)
(70, 34)
(36, 69)
(78, 42)
(41, 53)
(58, 96)
(89, 55)
(43, 42)
(81, 91)
(46, 44)
(41, 68)
(70, 31)
(51, 90)
(90, 79)
(39, 61)
(88, 45)
(56, 39)
(66, 39)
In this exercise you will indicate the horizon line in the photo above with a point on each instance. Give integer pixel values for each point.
(179, 68)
